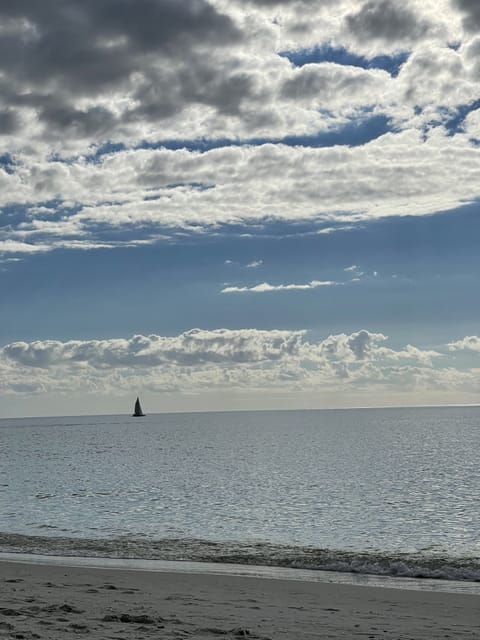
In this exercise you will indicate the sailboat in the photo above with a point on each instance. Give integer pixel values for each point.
(137, 412)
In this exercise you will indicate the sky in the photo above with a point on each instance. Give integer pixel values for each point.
(238, 204)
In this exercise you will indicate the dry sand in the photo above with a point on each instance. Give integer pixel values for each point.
(44, 601)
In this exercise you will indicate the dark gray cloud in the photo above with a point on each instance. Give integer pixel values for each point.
(163, 93)
(272, 3)
(472, 55)
(385, 20)
(8, 122)
(226, 93)
(292, 3)
(158, 51)
(471, 8)
(326, 82)
(96, 121)
(81, 29)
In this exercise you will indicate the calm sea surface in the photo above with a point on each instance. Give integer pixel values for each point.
(387, 490)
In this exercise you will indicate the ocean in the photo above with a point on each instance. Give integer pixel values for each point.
(391, 492)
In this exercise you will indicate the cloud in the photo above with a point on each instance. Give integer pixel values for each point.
(471, 53)
(328, 82)
(348, 185)
(14, 246)
(97, 70)
(328, 230)
(191, 348)
(243, 360)
(361, 343)
(354, 270)
(254, 264)
(471, 9)
(423, 356)
(265, 287)
(469, 343)
(348, 348)
(388, 21)
(103, 42)
(273, 3)
(121, 115)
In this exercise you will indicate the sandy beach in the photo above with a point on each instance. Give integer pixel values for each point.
(45, 601)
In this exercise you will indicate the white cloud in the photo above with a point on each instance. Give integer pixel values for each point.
(254, 264)
(423, 356)
(342, 184)
(244, 360)
(14, 246)
(350, 348)
(193, 347)
(469, 343)
(329, 230)
(265, 287)
(356, 273)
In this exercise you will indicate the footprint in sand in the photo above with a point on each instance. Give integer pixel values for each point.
(13, 580)
(77, 626)
(9, 612)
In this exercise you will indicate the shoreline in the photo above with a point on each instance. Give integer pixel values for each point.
(415, 569)
(48, 600)
(259, 571)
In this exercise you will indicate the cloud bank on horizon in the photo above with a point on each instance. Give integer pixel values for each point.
(243, 361)
(238, 365)
(157, 117)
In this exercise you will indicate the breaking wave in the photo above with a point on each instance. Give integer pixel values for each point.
(412, 565)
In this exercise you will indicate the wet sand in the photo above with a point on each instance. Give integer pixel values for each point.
(46, 601)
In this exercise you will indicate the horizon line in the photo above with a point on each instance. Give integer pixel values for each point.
(166, 413)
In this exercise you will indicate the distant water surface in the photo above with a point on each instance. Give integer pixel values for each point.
(384, 490)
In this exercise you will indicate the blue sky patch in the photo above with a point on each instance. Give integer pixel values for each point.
(357, 131)
(105, 149)
(7, 163)
(340, 55)
(454, 124)
(98, 293)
